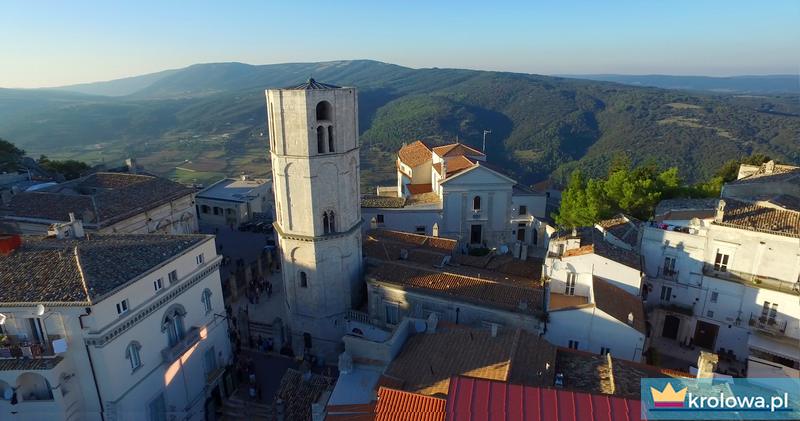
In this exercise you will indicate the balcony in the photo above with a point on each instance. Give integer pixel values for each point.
(684, 309)
(15, 346)
(668, 274)
(172, 353)
(768, 325)
(755, 281)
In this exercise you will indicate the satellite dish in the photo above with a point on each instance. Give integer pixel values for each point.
(39, 310)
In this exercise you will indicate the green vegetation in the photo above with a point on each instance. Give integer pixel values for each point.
(213, 118)
(635, 191)
(69, 168)
(9, 155)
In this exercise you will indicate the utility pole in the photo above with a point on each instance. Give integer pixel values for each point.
(485, 132)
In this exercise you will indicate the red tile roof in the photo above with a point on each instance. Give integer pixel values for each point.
(414, 154)
(419, 188)
(618, 303)
(478, 399)
(458, 164)
(399, 405)
(454, 149)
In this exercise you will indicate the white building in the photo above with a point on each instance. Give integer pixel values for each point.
(594, 280)
(450, 191)
(234, 201)
(313, 130)
(123, 325)
(107, 203)
(723, 275)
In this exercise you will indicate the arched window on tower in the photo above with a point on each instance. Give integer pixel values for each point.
(330, 139)
(324, 111)
(303, 280)
(476, 203)
(320, 139)
(331, 221)
(326, 228)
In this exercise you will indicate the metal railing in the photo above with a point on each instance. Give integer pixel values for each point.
(768, 324)
(668, 274)
(172, 353)
(357, 316)
(756, 281)
(15, 346)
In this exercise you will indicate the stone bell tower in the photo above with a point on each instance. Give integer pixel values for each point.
(313, 132)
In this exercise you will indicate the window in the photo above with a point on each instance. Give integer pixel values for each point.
(217, 210)
(303, 280)
(328, 222)
(709, 313)
(669, 266)
(332, 221)
(320, 139)
(132, 354)
(476, 203)
(570, 288)
(560, 250)
(379, 218)
(773, 313)
(521, 232)
(206, 299)
(173, 277)
(330, 139)
(324, 111)
(604, 350)
(721, 262)
(229, 211)
(714, 296)
(666, 293)
(158, 284)
(210, 361)
(523, 210)
(157, 409)
(392, 311)
(199, 259)
(764, 311)
(420, 229)
(173, 325)
(122, 306)
(205, 209)
(573, 344)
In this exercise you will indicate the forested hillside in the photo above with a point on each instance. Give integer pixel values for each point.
(207, 120)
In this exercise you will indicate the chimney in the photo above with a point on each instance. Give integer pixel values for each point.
(769, 167)
(706, 364)
(720, 211)
(9, 243)
(131, 164)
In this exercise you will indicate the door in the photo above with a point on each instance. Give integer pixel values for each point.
(705, 335)
(475, 235)
(521, 232)
(671, 326)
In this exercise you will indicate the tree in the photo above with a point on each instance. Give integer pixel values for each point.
(9, 155)
(70, 168)
(577, 207)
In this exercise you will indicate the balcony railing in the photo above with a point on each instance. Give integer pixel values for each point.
(668, 274)
(767, 324)
(14, 346)
(757, 281)
(191, 337)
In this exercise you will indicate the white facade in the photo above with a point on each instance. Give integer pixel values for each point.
(96, 370)
(315, 162)
(751, 307)
(590, 329)
(235, 201)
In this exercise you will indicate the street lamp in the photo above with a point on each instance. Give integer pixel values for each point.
(485, 132)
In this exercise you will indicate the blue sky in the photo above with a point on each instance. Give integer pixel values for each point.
(48, 43)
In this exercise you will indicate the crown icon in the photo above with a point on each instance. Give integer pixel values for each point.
(668, 397)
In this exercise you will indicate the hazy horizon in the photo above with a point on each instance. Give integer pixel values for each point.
(52, 44)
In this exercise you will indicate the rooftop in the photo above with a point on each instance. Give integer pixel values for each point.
(456, 149)
(414, 154)
(685, 209)
(625, 228)
(767, 172)
(428, 360)
(396, 404)
(98, 199)
(232, 189)
(755, 217)
(311, 84)
(481, 399)
(375, 201)
(51, 270)
(618, 303)
(592, 241)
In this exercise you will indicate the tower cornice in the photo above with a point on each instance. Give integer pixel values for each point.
(317, 238)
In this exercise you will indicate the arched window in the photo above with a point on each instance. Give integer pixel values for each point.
(324, 111)
(132, 355)
(330, 139)
(320, 139)
(331, 222)
(172, 324)
(476, 203)
(326, 228)
(206, 299)
(33, 387)
(303, 280)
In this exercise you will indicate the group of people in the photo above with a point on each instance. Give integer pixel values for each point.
(257, 287)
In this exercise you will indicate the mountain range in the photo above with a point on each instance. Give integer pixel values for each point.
(209, 120)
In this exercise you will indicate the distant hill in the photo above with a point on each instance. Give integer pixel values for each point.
(208, 120)
(766, 84)
(117, 87)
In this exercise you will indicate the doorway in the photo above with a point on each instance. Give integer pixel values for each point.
(521, 233)
(476, 234)
(671, 326)
(705, 335)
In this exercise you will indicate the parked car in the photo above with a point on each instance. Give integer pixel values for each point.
(247, 226)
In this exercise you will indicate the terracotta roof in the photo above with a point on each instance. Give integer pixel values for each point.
(299, 391)
(400, 405)
(484, 400)
(589, 372)
(414, 154)
(100, 198)
(623, 227)
(592, 241)
(560, 301)
(458, 164)
(419, 188)
(438, 167)
(83, 270)
(428, 361)
(680, 209)
(407, 239)
(751, 216)
(618, 303)
(454, 149)
(375, 201)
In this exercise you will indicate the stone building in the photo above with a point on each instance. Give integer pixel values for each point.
(313, 130)
(234, 201)
(115, 327)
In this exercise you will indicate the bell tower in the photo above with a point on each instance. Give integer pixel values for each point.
(313, 132)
